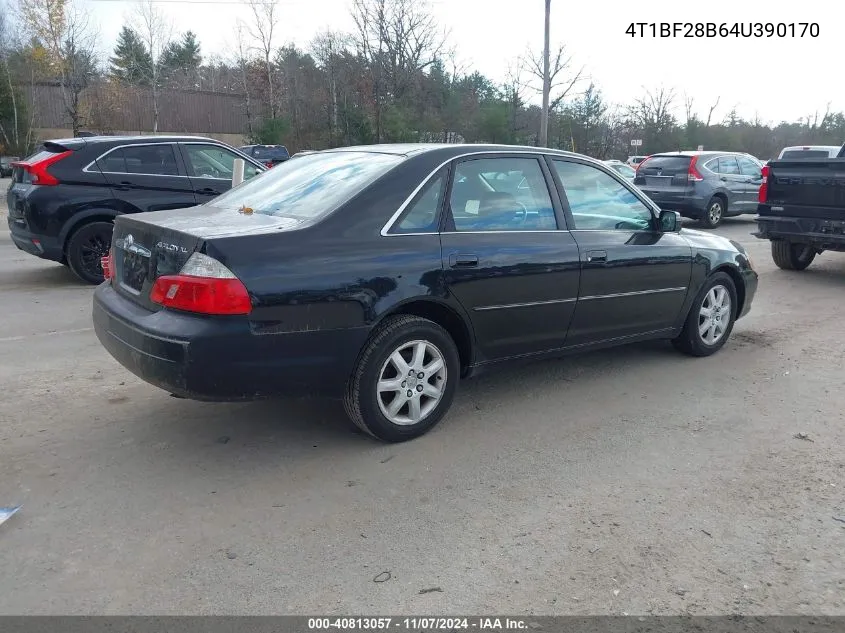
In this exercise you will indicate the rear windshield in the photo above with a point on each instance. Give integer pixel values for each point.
(310, 187)
(666, 165)
(270, 153)
(805, 153)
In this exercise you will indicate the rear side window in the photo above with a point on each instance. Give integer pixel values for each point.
(312, 186)
(665, 166)
(501, 194)
(150, 160)
(422, 214)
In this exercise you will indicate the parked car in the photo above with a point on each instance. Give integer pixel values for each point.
(6, 165)
(270, 155)
(707, 186)
(625, 170)
(634, 161)
(63, 199)
(808, 151)
(384, 274)
(801, 209)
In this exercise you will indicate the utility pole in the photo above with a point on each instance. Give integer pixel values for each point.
(544, 116)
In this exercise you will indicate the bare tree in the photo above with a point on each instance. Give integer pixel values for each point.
(263, 29)
(563, 78)
(241, 63)
(689, 103)
(398, 39)
(712, 109)
(327, 48)
(156, 31)
(66, 34)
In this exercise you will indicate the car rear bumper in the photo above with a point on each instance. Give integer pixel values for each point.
(687, 205)
(822, 233)
(222, 358)
(33, 243)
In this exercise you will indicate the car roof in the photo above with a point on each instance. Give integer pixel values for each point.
(93, 140)
(453, 149)
(701, 154)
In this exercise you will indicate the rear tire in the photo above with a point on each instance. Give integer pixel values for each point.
(790, 256)
(714, 213)
(405, 355)
(711, 318)
(85, 247)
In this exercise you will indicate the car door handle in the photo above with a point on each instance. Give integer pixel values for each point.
(124, 185)
(596, 256)
(463, 261)
(208, 191)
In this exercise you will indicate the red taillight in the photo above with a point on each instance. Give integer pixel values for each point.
(763, 193)
(107, 263)
(204, 286)
(38, 170)
(268, 165)
(693, 175)
(201, 294)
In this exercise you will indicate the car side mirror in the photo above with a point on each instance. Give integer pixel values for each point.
(670, 221)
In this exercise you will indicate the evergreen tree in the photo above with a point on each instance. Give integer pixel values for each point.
(183, 56)
(131, 61)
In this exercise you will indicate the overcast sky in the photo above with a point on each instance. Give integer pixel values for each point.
(775, 78)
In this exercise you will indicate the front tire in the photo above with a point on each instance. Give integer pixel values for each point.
(86, 247)
(713, 213)
(790, 256)
(406, 355)
(711, 318)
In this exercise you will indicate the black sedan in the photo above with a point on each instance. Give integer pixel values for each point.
(383, 275)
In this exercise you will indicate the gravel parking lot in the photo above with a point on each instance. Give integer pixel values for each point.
(635, 480)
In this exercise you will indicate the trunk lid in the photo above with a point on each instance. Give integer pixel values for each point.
(148, 245)
(817, 185)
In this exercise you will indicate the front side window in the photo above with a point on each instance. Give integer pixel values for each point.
(749, 168)
(501, 194)
(150, 160)
(727, 165)
(213, 161)
(598, 201)
(311, 186)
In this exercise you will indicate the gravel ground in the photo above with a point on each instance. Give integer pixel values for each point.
(631, 481)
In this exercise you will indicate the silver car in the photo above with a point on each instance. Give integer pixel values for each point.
(626, 171)
(707, 186)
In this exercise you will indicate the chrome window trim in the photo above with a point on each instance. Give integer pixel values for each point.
(172, 144)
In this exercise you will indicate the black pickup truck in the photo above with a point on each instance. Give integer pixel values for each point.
(802, 209)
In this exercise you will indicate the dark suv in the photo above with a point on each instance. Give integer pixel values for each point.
(706, 186)
(64, 198)
(270, 155)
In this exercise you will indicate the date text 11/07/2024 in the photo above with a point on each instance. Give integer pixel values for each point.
(723, 29)
(418, 624)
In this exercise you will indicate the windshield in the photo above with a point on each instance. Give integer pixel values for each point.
(626, 171)
(312, 186)
(665, 166)
(270, 153)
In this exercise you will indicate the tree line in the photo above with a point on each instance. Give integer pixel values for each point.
(395, 78)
